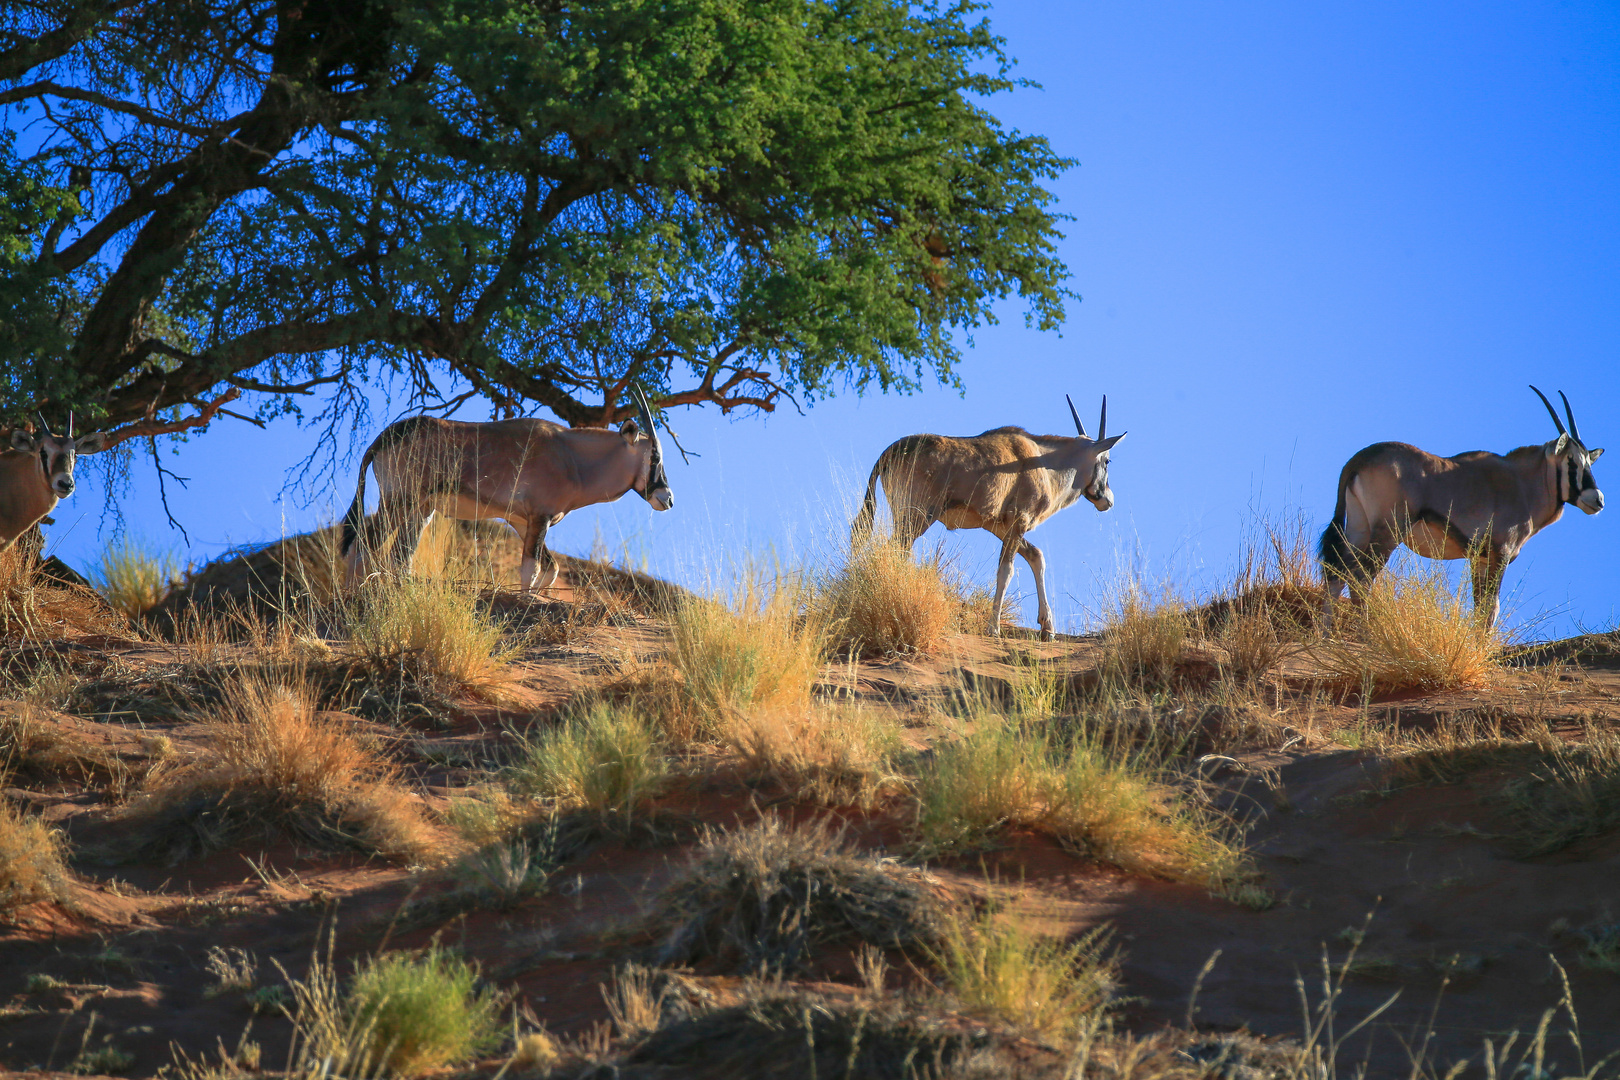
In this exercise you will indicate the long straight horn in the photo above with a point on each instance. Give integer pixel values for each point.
(1574, 429)
(52, 434)
(647, 423)
(70, 421)
(1102, 423)
(1552, 412)
(1078, 426)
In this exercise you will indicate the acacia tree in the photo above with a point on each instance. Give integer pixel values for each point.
(535, 202)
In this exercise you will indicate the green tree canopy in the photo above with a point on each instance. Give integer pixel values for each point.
(529, 201)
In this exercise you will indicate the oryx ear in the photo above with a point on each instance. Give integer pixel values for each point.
(22, 440)
(630, 429)
(1593, 455)
(1108, 443)
(1561, 445)
(92, 443)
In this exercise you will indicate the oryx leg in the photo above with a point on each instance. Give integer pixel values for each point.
(1487, 568)
(1367, 545)
(1037, 566)
(411, 540)
(1009, 547)
(539, 569)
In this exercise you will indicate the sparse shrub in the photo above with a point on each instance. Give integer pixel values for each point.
(633, 1003)
(1600, 947)
(275, 764)
(135, 579)
(883, 602)
(1145, 636)
(1408, 631)
(37, 608)
(1105, 802)
(233, 970)
(602, 757)
(995, 965)
(763, 897)
(829, 754)
(428, 630)
(31, 867)
(757, 654)
(1572, 792)
(421, 1012)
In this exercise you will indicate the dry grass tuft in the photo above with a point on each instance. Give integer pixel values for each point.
(757, 654)
(1145, 636)
(1570, 794)
(31, 866)
(1408, 631)
(762, 898)
(135, 580)
(883, 602)
(429, 631)
(994, 965)
(277, 765)
(35, 607)
(1106, 803)
(834, 755)
(602, 757)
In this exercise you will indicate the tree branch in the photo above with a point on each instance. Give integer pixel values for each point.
(151, 427)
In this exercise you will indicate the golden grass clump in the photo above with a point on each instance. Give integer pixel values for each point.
(135, 579)
(1408, 631)
(31, 866)
(1107, 803)
(429, 630)
(757, 654)
(883, 602)
(277, 765)
(1145, 636)
(602, 757)
(995, 965)
(837, 755)
(36, 608)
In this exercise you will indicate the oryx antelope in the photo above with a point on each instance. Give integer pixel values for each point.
(1478, 505)
(526, 472)
(1005, 481)
(36, 472)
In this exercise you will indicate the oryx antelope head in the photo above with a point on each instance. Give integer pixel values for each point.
(1576, 484)
(57, 453)
(1093, 481)
(654, 484)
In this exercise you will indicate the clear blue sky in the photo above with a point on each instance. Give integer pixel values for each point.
(1299, 229)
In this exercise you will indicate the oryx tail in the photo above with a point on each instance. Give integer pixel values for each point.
(861, 527)
(357, 509)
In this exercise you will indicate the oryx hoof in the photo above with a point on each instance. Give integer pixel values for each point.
(1047, 635)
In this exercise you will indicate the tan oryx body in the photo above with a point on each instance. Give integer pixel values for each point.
(1478, 506)
(36, 473)
(527, 472)
(1005, 481)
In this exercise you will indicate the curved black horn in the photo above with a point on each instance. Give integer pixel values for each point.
(1081, 428)
(45, 425)
(1552, 412)
(1574, 428)
(647, 423)
(1102, 423)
